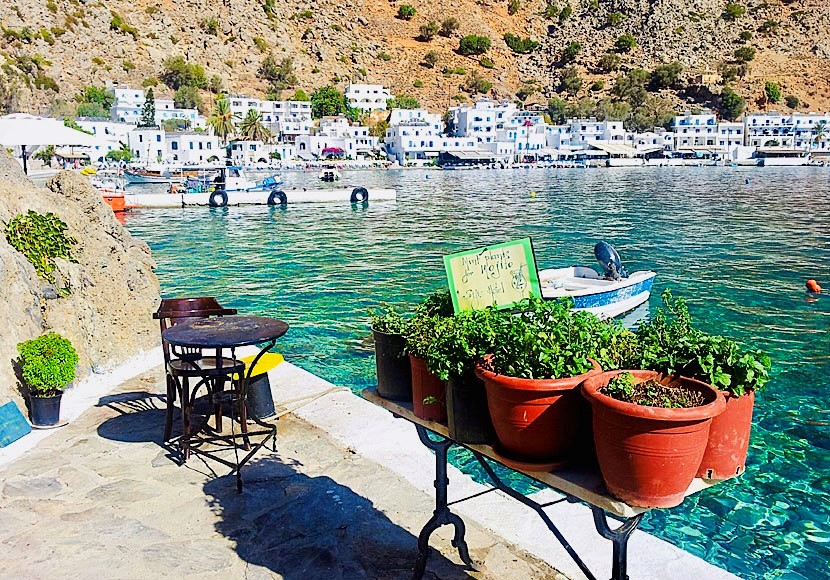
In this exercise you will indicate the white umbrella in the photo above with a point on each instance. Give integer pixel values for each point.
(20, 130)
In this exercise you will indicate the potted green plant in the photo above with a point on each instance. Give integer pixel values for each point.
(47, 367)
(540, 356)
(650, 433)
(669, 343)
(460, 342)
(391, 361)
(428, 390)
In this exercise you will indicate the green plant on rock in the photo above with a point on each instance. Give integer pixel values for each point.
(473, 44)
(792, 101)
(520, 45)
(513, 6)
(733, 11)
(772, 91)
(745, 54)
(47, 364)
(571, 51)
(615, 18)
(406, 12)
(428, 30)
(487, 62)
(448, 26)
(42, 239)
(431, 59)
(120, 25)
(625, 43)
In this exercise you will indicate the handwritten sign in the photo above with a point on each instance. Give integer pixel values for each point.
(498, 276)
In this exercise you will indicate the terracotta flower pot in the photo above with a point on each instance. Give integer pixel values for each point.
(426, 385)
(649, 456)
(537, 419)
(725, 454)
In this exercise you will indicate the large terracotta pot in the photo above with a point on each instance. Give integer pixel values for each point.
(649, 456)
(426, 385)
(725, 454)
(537, 419)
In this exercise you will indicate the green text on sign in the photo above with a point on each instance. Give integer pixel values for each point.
(498, 276)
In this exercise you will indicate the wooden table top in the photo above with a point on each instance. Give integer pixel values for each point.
(582, 482)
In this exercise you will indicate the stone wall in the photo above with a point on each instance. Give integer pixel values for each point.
(114, 291)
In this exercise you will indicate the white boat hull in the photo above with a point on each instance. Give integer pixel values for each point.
(236, 198)
(593, 293)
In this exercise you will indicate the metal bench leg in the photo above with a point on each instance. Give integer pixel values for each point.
(620, 539)
(441, 515)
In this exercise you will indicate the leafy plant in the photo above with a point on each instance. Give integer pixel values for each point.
(403, 102)
(520, 45)
(406, 12)
(652, 393)
(669, 343)
(792, 101)
(513, 6)
(487, 62)
(615, 18)
(473, 44)
(449, 26)
(177, 72)
(733, 11)
(609, 62)
(120, 25)
(439, 303)
(571, 51)
(42, 239)
(745, 54)
(431, 59)
(428, 30)
(772, 91)
(387, 319)
(625, 43)
(47, 364)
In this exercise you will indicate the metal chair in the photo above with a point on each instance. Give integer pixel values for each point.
(191, 363)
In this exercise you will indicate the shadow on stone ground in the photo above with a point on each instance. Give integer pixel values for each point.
(297, 526)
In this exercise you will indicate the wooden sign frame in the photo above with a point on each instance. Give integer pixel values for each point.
(500, 276)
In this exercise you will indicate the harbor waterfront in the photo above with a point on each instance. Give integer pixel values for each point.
(739, 251)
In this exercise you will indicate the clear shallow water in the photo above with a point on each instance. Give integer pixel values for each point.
(739, 253)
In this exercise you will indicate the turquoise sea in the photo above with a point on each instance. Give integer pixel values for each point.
(739, 252)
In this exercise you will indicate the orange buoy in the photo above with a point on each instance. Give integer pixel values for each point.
(813, 286)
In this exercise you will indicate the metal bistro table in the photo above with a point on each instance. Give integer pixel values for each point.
(228, 332)
(575, 483)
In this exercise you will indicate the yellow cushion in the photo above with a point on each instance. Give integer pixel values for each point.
(267, 362)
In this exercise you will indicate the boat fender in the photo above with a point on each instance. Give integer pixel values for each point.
(359, 194)
(813, 286)
(277, 197)
(218, 198)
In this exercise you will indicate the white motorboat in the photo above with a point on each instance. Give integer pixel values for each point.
(608, 295)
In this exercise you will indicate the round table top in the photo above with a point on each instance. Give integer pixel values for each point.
(225, 331)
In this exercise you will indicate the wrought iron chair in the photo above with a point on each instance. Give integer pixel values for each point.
(186, 363)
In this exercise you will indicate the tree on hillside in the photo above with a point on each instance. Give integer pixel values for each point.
(177, 73)
(403, 102)
(252, 129)
(772, 91)
(221, 119)
(473, 44)
(94, 101)
(300, 95)
(327, 101)
(631, 87)
(187, 98)
(655, 111)
(279, 75)
(148, 111)
(732, 105)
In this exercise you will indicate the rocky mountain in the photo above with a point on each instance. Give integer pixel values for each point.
(52, 48)
(113, 290)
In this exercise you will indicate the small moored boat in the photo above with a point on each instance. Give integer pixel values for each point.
(610, 294)
(329, 175)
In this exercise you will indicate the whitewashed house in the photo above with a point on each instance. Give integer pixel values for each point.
(148, 144)
(193, 148)
(107, 134)
(128, 104)
(787, 131)
(336, 137)
(483, 120)
(367, 97)
(285, 119)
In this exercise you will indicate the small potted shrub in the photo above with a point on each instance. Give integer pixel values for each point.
(460, 342)
(650, 433)
(391, 361)
(669, 343)
(428, 390)
(47, 367)
(540, 356)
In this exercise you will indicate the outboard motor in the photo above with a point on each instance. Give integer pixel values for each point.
(608, 257)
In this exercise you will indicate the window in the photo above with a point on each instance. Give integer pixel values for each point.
(158, 138)
(191, 145)
(174, 146)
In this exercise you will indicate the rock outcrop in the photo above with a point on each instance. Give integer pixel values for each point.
(107, 314)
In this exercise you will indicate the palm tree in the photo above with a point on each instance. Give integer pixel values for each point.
(252, 129)
(221, 119)
(819, 133)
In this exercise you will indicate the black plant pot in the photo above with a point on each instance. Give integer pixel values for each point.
(45, 411)
(468, 416)
(259, 402)
(394, 371)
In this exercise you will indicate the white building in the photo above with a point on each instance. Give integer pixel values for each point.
(286, 119)
(148, 144)
(787, 131)
(335, 137)
(695, 132)
(367, 97)
(586, 132)
(482, 120)
(108, 136)
(128, 104)
(524, 134)
(193, 148)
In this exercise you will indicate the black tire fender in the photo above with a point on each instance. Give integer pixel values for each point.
(218, 198)
(359, 194)
(277, 197)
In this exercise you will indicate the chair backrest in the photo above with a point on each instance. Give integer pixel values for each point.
(172, 311)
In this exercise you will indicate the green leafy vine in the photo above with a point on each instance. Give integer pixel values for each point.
(42, 239)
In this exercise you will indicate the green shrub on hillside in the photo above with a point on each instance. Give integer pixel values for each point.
(745, 54)
(513, 6)
(609, 62)
(473, 44)
(431, 59)
(120, 25)
(406, 12)
(732, 105)
(792, 101)
(486, 62)
(625, 43)
(428, 30)
(476, 84)
(772, 91)
(177, 73)
(449, 26)
(571, 51)
(615, 18)
(520, 45)
(570, 82)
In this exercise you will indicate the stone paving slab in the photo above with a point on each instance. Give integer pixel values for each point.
(102, 498)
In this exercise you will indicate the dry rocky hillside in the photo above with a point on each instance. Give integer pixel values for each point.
(52, 48)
